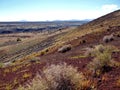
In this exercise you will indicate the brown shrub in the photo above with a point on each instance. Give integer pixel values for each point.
(118, 34)
(18, 40)
(34, 59)
(59, 77)
(42, 53)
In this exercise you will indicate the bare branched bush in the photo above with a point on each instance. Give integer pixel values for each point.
(59, 77)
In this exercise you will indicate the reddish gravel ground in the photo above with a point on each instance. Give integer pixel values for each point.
(11, 77)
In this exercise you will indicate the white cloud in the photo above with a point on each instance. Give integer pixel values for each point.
(110, 7)
(55, 15)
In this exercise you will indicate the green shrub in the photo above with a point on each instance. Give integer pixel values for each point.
(102, 59)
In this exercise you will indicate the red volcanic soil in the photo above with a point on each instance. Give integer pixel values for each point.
(13, 76)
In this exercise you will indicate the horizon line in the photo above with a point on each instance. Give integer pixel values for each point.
(49, 20)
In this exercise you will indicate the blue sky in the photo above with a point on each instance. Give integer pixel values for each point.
(41, 10)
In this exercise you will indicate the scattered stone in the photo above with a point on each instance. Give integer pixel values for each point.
(82, 41)
(108, 38)
(6, 64)
(64, 49)
(89, 51)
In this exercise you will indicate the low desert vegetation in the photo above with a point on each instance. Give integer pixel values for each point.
(1, 65)
(78, 57)
(19, 39)
(59, 77)
(34, 59)
(118, 82)
(26, 75)
(102, 61)
(118, 34)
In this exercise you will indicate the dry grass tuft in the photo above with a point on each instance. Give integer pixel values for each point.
(102, 61)
(118, 82)
(59, 77)
(1, 65)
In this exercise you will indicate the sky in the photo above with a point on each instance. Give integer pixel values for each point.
(48, 10)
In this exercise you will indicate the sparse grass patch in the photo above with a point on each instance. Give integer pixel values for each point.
(8, 87)
(26, 75)
(15, 82)
(1, 65)
(14, 69)
(43, 52)
(77, 57)
(6, 70)
(115, 63)
(118, 82)
(55, 47)
(105, 77)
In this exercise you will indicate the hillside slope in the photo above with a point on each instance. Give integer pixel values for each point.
(83, 37)
(98, 25)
